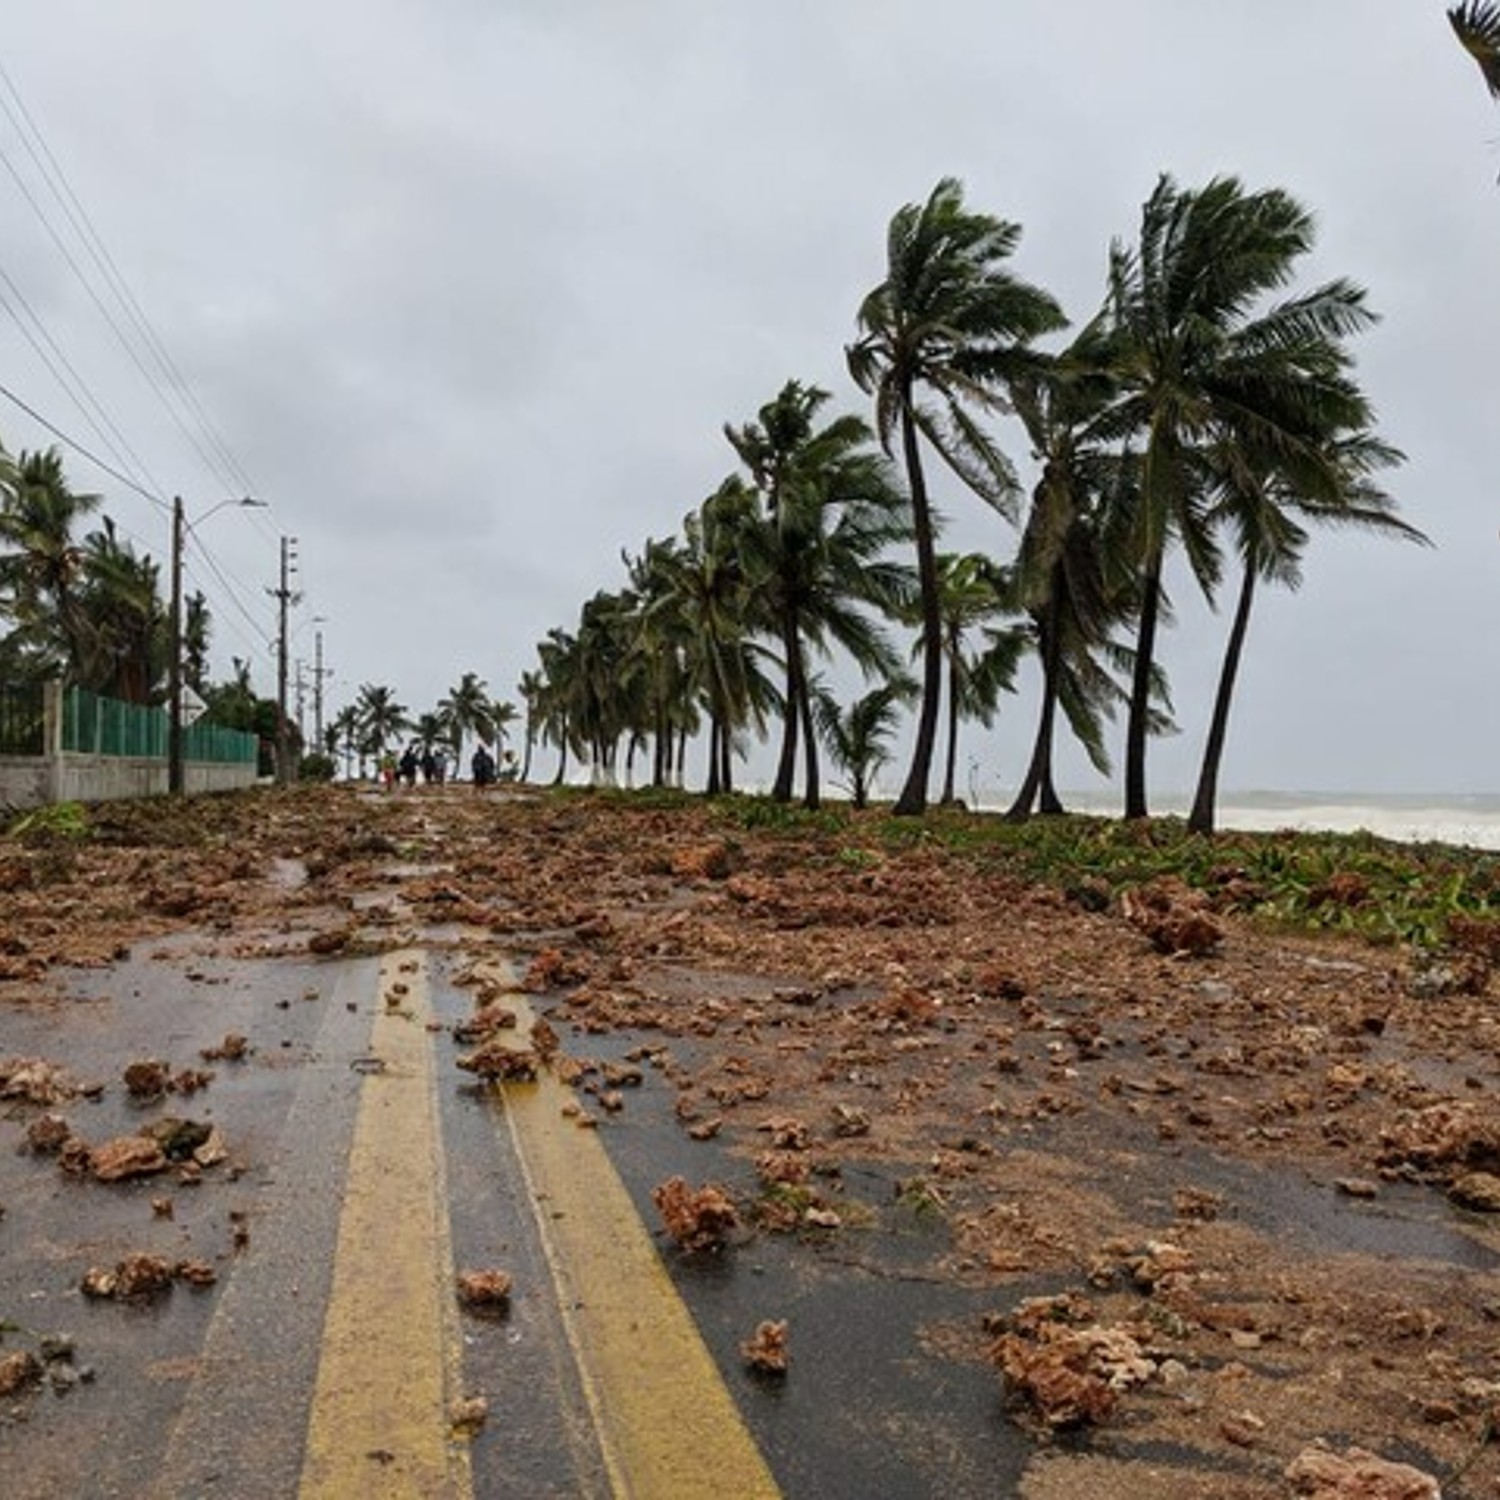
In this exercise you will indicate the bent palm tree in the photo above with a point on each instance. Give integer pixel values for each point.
(1067, 575)
(951, 321)
(1264, 513)
(1201, 365)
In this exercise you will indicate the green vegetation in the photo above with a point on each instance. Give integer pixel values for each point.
(58, 822)
(1354, 883)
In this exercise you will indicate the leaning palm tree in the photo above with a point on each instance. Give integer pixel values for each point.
(1202, 362)
(939, 337)
(1067, 574)
(1265, 514)
(1476, 23)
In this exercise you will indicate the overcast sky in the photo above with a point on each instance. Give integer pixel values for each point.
(468, 289)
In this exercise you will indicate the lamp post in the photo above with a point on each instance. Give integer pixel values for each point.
(180, 529)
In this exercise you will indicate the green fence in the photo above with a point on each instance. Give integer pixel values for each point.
(22, 724)
(103, 726)
(221, 746)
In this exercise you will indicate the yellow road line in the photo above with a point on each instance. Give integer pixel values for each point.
(668, 1428)
(388, 1372)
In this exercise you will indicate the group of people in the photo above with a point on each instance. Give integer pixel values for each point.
(431, 764)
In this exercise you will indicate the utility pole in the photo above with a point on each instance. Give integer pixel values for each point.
(284, 598)
(175, 778)
(318, 672)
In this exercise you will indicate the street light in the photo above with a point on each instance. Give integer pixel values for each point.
(180, 528)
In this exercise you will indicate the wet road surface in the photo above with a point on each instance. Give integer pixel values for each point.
(331, 1354)
(364, 1169)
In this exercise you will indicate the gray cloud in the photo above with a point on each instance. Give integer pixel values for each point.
(469, 291)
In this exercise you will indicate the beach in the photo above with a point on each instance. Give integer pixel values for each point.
(1471, 819)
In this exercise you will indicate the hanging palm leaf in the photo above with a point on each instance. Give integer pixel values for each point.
(1476, 24)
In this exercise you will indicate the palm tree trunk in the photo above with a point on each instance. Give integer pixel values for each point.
(526, 756)
(1039, 768)
(1205, 800)
(813, 796)
(950, 764)
(1139, 723)
(796, 692)
(1049, 804)
(913, 799)
(712, 788)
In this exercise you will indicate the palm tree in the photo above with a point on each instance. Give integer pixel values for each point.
(431, 730)
(720, 613)
(561, 666)
(948, 320)
(1264, 513)
(659, 654)
(382, 719)
(969, 601)
(1067, 575)
(41, 558)
(859, 740)
(1476, 23)
(467, 712)
(831, 513)
(531, 687)
(124, 642)
(343, 735)
(197, 628)
(1198, 365)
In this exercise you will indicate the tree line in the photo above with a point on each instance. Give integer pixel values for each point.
(1208, 408)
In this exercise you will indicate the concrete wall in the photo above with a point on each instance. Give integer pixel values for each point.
(24, 780)
(31, 781)
(69, 776)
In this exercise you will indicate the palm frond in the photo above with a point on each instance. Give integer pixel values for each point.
(1476, 24)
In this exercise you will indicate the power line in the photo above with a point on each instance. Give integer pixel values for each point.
(78, 448)
(83, 225)
(74, 386)
(109, 317)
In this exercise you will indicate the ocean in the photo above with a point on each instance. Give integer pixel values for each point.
(1448, 818)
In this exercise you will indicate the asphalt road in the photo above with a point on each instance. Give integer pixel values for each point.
(331, 1357)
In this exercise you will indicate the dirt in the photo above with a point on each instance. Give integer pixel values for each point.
(1227, 1151)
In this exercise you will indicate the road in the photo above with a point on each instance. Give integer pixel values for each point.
(331, 1357)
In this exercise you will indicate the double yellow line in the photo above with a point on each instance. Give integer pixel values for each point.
(380, 1425)
(388, 1371)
